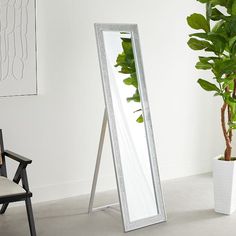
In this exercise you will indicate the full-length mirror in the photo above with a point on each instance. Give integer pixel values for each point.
(130, 125)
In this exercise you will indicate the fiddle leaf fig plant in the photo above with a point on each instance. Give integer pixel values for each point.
(216, 36)
(126, 62)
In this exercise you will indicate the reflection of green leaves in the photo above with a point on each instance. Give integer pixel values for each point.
(135, 98)
(131, 81)
(121, 60)
(140, 119)
(127, 47)
(126, 62)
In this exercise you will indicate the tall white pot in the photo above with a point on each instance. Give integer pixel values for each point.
(224, 178)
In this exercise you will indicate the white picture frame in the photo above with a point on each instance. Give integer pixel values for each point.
(18, 48)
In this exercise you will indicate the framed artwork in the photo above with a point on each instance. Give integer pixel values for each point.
(18, 50)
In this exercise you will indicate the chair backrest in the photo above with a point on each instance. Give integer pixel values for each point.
(3, 170)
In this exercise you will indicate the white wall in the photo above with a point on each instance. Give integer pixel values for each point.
(59, 129)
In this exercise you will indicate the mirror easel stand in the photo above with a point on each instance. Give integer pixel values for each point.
(97, 167)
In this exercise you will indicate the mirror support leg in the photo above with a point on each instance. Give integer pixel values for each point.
(99, 155)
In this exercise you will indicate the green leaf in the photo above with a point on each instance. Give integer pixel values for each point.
(207, 59)
(218, 42)
(203, 66)
(126, 39)
(232, 99)
(131, 81)
(140, 119)
(135, 98)
(230, 26)
(224, 66)
(217, 15)
(208, 86)
(232, 125)
(133, 75)
(199, 35)
(126, 70)
(233, 49)
(203, 1)
(229, 5)
(233, 10)
(208, 11)
(227, 67)
(228, 81)
(219, 2)
(127, 47)
(121, 59)
(219, 27)
(128, 81)
(196, 44)
(229, 84)
(233, 116)
(198, 21)
(232, 41)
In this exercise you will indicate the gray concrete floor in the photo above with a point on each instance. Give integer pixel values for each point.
(189, 206)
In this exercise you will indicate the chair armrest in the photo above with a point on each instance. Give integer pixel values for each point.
(17, 157)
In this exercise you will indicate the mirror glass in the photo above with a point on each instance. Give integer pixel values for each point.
(129, 121)
(130, 125)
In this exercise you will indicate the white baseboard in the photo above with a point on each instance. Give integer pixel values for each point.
(71, 189)
(76, 188)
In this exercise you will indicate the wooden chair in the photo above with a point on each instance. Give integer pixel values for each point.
(11, 191)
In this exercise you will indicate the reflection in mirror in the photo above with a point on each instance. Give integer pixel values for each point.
(124, 99)
(130, 127)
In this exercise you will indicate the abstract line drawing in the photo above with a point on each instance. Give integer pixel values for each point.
(15, 39)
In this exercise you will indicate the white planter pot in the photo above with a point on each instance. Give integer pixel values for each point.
(224, 178)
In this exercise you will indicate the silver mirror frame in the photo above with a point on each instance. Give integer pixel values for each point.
(161, 216)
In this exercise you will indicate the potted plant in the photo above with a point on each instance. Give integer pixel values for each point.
(216, 37)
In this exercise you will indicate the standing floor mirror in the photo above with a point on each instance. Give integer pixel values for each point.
(130, 127)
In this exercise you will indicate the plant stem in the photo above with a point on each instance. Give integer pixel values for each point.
(227, 138)
(229, 120)
(229, 113)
